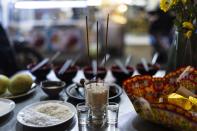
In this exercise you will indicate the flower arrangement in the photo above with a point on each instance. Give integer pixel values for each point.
(185, 12)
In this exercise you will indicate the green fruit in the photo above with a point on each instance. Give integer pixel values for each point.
(4, 83)
(20, 83)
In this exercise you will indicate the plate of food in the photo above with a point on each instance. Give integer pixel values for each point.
(17, 86)
(46, 114)
(77, 92)
(6, 106)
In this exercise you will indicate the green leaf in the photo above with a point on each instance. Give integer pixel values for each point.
(177, 23)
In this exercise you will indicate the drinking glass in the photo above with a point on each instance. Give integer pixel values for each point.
(97, 94)
(83, 113)
(112, 113)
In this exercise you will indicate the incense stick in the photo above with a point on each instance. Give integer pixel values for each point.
(97, 49)
(87, 36)
(106, 39)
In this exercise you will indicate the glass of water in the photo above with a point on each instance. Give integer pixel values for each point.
(83, 113)
(112, 113)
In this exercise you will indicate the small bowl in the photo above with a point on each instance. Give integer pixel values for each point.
(41, 73)
(88, 72)
(68, 75)
(52, 88)
(152, 69)
(120, 75)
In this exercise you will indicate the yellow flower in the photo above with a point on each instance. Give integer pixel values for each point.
(188, 25)
(184, 1)
(174, 2)
(165, 5)
(188, 34)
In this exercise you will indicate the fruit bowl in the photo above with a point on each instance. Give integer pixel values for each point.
(145, 92)
(8, 95)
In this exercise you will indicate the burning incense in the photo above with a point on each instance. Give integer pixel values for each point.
(106, 39)
(87, 36)
(97, 48)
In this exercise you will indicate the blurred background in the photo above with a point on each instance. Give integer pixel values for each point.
(35, 29)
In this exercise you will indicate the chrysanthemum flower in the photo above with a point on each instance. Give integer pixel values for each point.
(188, 25)
(165, 5)
(174, 2)
(188, 34)
(184, 1)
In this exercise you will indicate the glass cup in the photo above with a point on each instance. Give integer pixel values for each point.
(83, 114)
(96, 97)
(112, 113)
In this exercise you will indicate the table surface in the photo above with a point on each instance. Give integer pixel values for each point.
(128, 118)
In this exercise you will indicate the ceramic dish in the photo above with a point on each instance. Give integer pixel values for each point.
(23, 114)
(6, 106)
(88, 72)
(8, 95)
(41, 73)
(120, 75)
(78, 94)
(52, 88)
(152, 69)
(68, 75)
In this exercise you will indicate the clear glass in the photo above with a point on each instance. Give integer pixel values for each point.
(112, 113)
(97, 94)
(83, 113)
